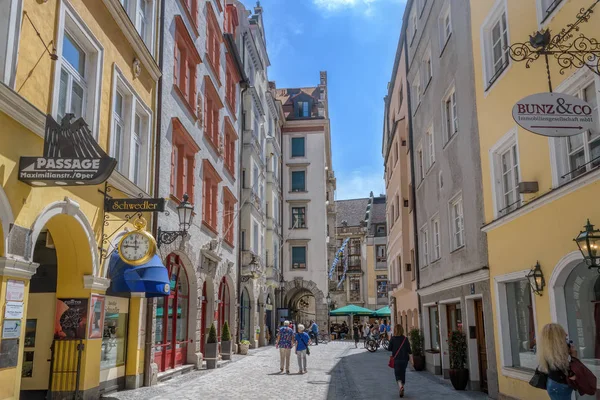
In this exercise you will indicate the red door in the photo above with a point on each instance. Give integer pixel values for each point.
(172, 318)
(203, 319)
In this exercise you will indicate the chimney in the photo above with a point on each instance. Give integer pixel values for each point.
(258, 9)
(323, 78)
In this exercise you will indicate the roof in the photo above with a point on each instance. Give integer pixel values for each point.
(287, 96)
(352, 211)
(378, 211)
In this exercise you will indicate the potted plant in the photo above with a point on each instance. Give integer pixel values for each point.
(417, 343)
(226, 342)
(457, 346)
(211, 348)
(244, 346)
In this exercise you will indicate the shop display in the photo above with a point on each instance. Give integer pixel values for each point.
(27, 370)
(96, 326)
(71, 318)
(114, 338)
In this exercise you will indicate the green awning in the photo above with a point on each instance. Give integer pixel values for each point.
(351, 309)
(383, 312)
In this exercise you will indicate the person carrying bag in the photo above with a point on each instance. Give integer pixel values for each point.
(400, 347)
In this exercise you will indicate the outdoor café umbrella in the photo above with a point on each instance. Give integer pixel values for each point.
(382, 312)
(351, 309)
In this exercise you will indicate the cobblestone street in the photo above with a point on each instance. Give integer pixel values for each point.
(335, 371)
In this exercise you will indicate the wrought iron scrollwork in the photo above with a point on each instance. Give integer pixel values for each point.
(168, 237)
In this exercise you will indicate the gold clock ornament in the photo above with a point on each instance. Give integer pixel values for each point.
(137, 247)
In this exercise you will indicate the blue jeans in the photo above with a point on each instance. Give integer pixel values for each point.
(558, 391)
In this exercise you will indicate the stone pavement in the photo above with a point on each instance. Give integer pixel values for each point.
(335, 371)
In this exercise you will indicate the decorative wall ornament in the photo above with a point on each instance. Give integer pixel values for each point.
(200, 108)
(137, 68)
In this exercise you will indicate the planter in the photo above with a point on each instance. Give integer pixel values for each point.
(226, 350)
(211, 351)
(244, 348)
(419, 363)
(459, 378)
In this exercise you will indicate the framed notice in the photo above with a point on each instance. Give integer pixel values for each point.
(13, 310)
(15, 290)
(11, 329)
(96, 322)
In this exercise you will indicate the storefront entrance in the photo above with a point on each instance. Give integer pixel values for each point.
(245, 315)
(481, 345)
(171, 339)
(223, 306)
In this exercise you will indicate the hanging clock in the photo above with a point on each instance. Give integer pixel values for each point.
(137, 247)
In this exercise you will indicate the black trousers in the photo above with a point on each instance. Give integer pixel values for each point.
(400, 370)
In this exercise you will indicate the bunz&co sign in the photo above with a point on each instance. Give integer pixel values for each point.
(134, 205)
(554, 114)
(71, 157)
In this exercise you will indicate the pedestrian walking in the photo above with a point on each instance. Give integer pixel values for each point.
(285, 338)
(301, 339)
(554, 353)
(400, 348)
(314, 332)
(356, 334)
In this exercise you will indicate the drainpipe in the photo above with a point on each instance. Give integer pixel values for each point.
(414, 190)
(150, 302)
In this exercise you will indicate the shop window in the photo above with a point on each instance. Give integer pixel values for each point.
(495, 40)
(298, 257)
(131, 131)
(114, 338)
(434, 328)
(212, 105)
(519, 344)
(210, 194)
(298, 217)
(77, 71)
(298, 149)
(457, 223)
(10, 15)
(229, 201)
(186, 62)
(229, 151)
(183, 162)
(298, 181)
(245, 327)
(213, 41)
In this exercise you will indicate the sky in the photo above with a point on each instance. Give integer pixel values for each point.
(355, 42)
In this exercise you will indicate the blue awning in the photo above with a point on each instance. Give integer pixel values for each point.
(151, 278)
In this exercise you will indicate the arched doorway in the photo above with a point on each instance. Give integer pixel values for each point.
(269, 319)
(224, 306)
(302, 307)
(172, 313)
(245, 328)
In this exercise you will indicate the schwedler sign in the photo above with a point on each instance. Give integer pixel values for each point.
(554, 114)
(71, 157)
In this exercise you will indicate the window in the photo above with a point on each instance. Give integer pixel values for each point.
(183, 161)
(397, 207)
(298, 217)
(230, 140)
(380, 251)
(298, 149)
(255, 177)
(505, 167)
(430, 148)
(141, 14)
(382, 289)
(445, 26)
(421, 4)
(427, 70)
(354, 254)
(496, 43)
(186, 60)
(380, 230)
(421, 165)
(10, 27)
(231, 19)
(457, 223)
(255, 244)
(424, 246)
(450, 116)
(435, 224)
(130, 135)
(547, 7)
(232, 78)
(416, 93)
(276, 255)
(212, 105)
(114, 335)
(434, 328)
(229, 201)
(303, 109)
(298, 181)
(210, 194)
(413, 26)
(213, 41)
(298, 257)
(355, 285)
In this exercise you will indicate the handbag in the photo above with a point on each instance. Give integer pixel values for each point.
(539, 380)
(392, 358)
(585, 380)
(307, 349)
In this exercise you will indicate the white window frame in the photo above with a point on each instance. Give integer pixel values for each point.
(500, 282)
(416, 92)
(424, 240)
(543, 17)
(420, 163)
(429, 135)
(507, 141)
(421, 6)
(499, 8)
(132, 105)
(573, 85)
(427, 66)
(450, 95)
(437, 243)
(10, 31)
(71, 22)
(134, 13)
(444, 14)
(413, 25)
(456, 200)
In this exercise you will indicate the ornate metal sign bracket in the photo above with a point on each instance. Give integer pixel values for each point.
(569, 48)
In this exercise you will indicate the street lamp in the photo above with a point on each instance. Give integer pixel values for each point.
(185, 212)
(328, 298)
(536, 279)
(588, 242)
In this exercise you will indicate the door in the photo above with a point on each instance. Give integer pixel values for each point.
(203, 319)
(481, 348)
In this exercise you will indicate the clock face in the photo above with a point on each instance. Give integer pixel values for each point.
(135, 246)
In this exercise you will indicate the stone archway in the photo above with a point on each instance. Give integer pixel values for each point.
(294, 289)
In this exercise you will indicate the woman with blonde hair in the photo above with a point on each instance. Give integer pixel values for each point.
(554, 354)
(400, 348)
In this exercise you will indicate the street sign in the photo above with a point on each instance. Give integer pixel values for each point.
(554, 114)
(135, 205)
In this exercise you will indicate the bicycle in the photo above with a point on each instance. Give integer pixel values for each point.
(324, 337)
(372, 343)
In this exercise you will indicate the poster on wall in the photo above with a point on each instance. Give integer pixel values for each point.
(11, 329)
(27, 370)
(96, 323)
(15, 290)
(30, 328)
(71, 318)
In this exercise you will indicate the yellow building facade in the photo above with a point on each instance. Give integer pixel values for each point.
(538, 191)
(92, 59)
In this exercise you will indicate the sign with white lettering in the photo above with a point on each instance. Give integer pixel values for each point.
(13, 310)
(71, 157)
(555, 114)
(134, 205)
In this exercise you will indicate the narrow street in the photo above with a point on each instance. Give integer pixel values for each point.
(335, 371)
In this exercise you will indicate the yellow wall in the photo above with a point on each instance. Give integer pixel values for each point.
(545, 234)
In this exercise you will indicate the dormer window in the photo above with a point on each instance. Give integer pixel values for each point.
(303, 109)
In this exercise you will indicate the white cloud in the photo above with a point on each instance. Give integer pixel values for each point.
(358, 184)
(336, 5)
